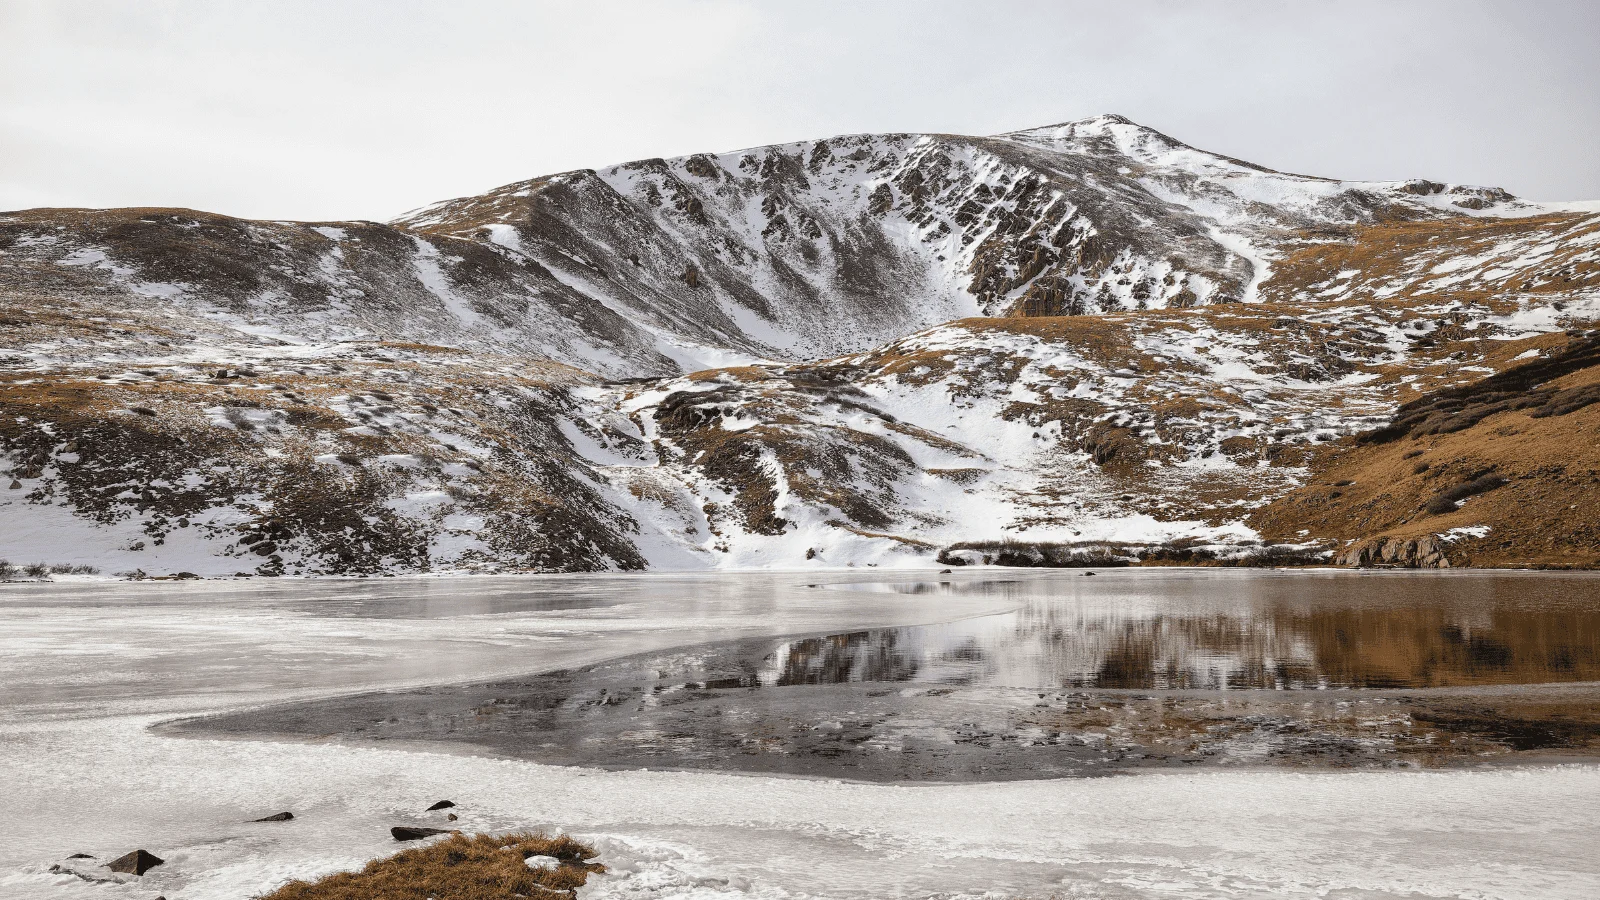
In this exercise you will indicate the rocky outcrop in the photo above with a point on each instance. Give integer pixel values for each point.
(1404, 553)
(1531, 387)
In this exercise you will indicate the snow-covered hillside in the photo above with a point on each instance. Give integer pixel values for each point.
(860, 350)
(824, 247)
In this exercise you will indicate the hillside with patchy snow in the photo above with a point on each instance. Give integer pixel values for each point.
(865, 350)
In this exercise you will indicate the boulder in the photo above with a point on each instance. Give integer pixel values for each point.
(277, 817)
(407, 833)
(442, 804)
(136, 862)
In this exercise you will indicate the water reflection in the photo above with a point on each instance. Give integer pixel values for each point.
(1013, 684)
(1387, 634)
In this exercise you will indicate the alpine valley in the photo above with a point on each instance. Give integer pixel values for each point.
(1086, 343)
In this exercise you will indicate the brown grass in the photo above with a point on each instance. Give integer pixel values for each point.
(481, 867)
(1541, 514)
(1406, 252)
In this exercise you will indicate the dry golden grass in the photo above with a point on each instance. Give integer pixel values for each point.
(1407, 251)
(1543, 516)
(732, 373)
(481, 867)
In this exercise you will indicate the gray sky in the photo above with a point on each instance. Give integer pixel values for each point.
(330, 110)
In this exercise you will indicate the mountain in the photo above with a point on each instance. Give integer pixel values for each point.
(1083, 341)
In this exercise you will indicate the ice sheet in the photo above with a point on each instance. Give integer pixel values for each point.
(87, 667)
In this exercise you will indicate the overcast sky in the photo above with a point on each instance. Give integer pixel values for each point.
(330, 110)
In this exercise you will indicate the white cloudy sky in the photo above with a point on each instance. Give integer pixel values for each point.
(326, 110)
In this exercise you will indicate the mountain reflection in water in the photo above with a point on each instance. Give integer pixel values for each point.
(1453, 633)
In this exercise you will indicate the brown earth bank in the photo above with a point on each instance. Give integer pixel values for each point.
(1500, 472)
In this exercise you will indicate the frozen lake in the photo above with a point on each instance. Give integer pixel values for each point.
(87, 669)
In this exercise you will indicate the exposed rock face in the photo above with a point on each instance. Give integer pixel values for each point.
(1531, 387)
(1414, 553)
(848, 351)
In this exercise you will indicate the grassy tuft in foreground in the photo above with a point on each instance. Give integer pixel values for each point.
(481, 867)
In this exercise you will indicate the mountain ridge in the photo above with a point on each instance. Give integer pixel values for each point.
(863, 349)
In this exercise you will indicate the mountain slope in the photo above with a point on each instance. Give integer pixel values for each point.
(277, 282)
(792, 251)
(817, 248)
(1501, 471)
(862, 350)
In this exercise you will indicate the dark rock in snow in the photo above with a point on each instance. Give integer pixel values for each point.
(442, 804)
(406, 833)
(452, 817)
(80, 856)
(277, 817)
(59, 869)
(136, 862)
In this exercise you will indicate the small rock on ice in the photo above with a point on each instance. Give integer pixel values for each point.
(406, 833)
(136, 862)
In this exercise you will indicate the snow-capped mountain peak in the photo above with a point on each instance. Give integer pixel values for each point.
(1112, 135)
